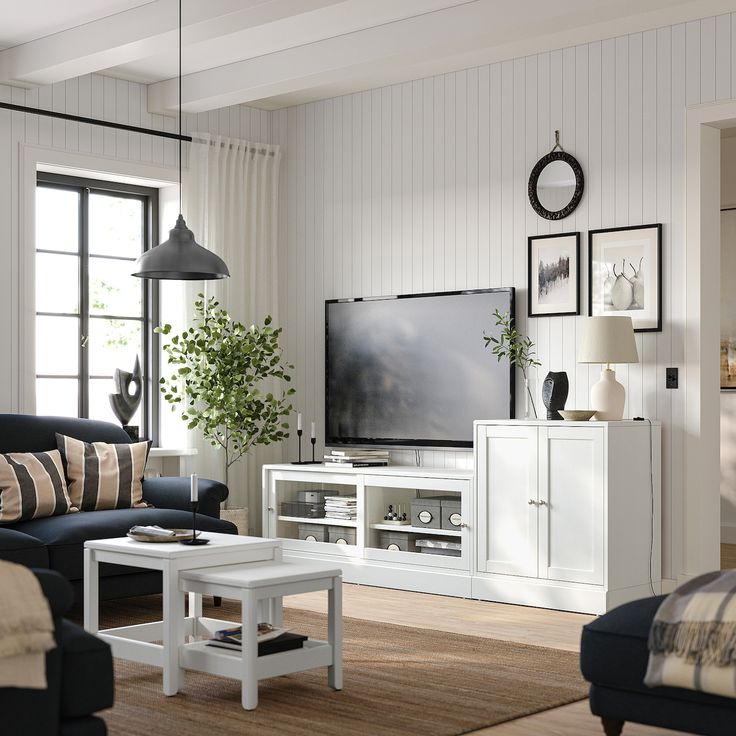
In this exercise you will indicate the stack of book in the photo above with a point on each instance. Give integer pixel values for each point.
(271, 640)
(358, 458)
(341, 507)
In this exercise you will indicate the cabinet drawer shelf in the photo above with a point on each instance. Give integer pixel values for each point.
(417, 530)
(322, 522)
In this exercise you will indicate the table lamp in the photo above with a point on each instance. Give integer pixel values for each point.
(608, 340)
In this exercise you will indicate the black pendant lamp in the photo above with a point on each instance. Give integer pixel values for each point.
(180, 257)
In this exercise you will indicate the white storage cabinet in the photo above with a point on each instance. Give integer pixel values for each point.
(366, 562)
(568, 513)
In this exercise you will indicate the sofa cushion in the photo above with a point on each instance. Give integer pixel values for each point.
(32, 485)
(22, 548)
(103, 475)
(65, 535)
(614, 652)
(28, 433)
(87, 672)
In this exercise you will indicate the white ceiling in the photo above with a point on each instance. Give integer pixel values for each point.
(31, 19)
(273, 53)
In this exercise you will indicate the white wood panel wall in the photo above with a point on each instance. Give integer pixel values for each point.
(96, 96)
(421, 186)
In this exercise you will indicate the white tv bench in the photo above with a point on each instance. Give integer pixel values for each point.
(561, 515)
(365, 562)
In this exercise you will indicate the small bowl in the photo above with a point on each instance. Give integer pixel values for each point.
(577, 415)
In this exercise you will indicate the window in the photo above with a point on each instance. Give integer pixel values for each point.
(92, 316)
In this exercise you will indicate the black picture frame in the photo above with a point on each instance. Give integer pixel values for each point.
(571, 206)
(598, 304)
(532, 281)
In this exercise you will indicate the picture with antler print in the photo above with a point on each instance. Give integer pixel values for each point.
(625, 274)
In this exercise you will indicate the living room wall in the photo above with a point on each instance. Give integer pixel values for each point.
(421, 186)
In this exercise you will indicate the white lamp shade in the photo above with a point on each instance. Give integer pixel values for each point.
(608, 340)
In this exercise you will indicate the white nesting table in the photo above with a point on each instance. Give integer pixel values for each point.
(136, 642)
(254, 584)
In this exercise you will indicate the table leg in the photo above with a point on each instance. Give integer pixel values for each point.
(334, 633)
(276, 611)
(91, 592)
(173, 630)
(195, 611)
(249, 672)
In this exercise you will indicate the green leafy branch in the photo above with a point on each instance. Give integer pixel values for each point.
(512, 345)
(222, 372)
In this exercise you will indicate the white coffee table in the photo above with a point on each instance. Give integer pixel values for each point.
(136, 642)
(253, 584)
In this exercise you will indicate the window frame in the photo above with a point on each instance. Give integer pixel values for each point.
(150, 365)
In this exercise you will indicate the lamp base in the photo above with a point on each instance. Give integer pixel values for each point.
(607, 397)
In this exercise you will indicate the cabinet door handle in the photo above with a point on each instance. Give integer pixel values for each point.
(542, 503)
(532, 502)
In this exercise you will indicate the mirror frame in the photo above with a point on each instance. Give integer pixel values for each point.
(571, 206)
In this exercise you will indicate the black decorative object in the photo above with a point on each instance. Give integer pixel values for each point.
(313, 440)
(124, 403)
(195, 541)
(574, 188)
(554, 394)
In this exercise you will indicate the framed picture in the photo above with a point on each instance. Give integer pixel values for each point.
(625, 274)
(553, 283)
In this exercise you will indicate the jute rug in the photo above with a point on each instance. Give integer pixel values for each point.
(399, 681)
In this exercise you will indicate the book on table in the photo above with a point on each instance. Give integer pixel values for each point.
(271, 640)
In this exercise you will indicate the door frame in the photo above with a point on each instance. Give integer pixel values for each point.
(700, 520)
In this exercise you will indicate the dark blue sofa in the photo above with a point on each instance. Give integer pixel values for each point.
(614, 657)
(57, 542)
(79, 673)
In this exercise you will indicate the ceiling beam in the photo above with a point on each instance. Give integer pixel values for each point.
(136, 34)
(444, 40)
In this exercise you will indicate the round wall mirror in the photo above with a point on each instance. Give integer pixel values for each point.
(556, 185)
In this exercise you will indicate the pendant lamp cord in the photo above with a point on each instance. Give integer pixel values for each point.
(180, 164)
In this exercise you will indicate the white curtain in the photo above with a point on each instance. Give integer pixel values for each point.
(230, 197)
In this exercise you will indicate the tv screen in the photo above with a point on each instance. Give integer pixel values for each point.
(414, 370)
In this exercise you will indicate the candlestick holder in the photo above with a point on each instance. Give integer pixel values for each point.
(195, 540)
(313, 440)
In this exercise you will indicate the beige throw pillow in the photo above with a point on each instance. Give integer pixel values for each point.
(32, 486)
(104, 476)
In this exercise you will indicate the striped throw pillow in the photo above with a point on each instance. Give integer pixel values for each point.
(32, 486)
(104, 476)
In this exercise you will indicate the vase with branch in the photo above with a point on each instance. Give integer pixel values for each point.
(517, 349)
(225, 379)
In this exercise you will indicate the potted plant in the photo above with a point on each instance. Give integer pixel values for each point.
(224, 380)
(518, 349)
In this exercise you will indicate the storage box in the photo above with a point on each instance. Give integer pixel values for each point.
(312, 496)
(342, 534)
(303, 510)
(313, 533)
(397, 541)
(439, 547)
(451, 516)
(427, 512)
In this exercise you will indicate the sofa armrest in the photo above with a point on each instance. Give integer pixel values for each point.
(57, 590)
(174, 493)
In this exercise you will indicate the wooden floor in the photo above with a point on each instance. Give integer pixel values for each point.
(497, 621)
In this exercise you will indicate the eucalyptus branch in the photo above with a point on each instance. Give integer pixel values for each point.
(515, 347)
(221, 371)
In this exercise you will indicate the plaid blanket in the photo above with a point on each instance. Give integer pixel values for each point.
(692, 642)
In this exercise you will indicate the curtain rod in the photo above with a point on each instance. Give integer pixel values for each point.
(93, 121)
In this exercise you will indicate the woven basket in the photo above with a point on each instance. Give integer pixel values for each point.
(239, 517)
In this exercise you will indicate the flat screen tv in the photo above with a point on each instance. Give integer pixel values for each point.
(413, 370)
